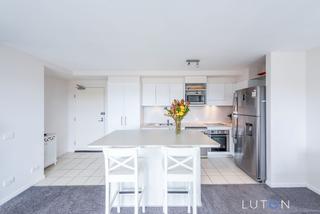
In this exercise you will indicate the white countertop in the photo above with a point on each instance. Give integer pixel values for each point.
(154, 138)
(204, 124)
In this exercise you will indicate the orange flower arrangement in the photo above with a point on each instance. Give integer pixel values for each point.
(177, 111)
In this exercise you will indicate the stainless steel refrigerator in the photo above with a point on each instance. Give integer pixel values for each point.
(249, 131)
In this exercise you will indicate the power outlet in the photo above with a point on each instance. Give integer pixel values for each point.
(8, 136)
(8, 181)
(34, 169)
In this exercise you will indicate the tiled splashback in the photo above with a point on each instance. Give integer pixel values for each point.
(196, 114)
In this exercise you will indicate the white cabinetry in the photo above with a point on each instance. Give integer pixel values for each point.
(123, 105)
(148, 94)
(50, 150)
(161, 94)
(176, 91)
(219, 94)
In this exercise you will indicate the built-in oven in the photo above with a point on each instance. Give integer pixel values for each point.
(221, 137)
(195, 93)
(196, 97)
(203, 129)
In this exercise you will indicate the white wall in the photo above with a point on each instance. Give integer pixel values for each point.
(21, 113)
(286, 119)
(313, 118)
(56, 109)
(196, 114)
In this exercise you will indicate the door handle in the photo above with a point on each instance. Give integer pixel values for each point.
(101, 120)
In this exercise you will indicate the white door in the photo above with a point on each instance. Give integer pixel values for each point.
(89, 118)
(115, 116)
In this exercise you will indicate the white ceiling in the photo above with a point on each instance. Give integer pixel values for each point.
(158, 35)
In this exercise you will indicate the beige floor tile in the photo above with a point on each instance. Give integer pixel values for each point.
(86, 173)
(56, 173)
(218, 179)
(72, 173)
(62, 181)
(205, 179)
(205, 164)
(102, 182)
(233, 179)
(99, 172)
(94, 181)
(47, 181)
(203, 172)
(78, 181)
(212, 172)
(88, 169)
(247, 180)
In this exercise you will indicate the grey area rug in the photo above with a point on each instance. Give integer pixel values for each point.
(216, 199)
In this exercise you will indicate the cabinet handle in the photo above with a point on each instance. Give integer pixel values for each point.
(121, 120)
(125, 120)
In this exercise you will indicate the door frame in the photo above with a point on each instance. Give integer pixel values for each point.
(99, 83)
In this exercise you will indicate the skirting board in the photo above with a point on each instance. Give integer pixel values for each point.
(314, 189)
(286, 185)
(291, 185)
(20, 190)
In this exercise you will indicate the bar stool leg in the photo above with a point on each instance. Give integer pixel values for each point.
(165, 199)
(136, 198)
(189, 198)
(119, 199)
(143, 202)
(194, 198)
(107, 203)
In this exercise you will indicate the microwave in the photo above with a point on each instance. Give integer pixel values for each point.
(196, 97)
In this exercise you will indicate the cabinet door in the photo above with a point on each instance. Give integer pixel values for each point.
(176, 91)
(131, 106)
(148, 94)
(162, 94)
(215, 92)
(115, 106)
(228, 93)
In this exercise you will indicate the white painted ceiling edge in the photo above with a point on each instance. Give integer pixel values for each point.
(62, 72)
(242, 72)
(145, 35)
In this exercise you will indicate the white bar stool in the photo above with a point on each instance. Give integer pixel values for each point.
(180, 166)
(121, 166)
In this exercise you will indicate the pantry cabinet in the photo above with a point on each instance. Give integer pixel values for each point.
(123, 103)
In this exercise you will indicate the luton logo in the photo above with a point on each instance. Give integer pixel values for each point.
(265, 204)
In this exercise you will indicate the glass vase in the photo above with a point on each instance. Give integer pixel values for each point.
(178, 126)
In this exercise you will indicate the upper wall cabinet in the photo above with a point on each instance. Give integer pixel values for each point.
(176, 91)
(220, 94)
(161, 94)
(148, 94)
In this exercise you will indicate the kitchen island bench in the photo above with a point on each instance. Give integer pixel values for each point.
(150, 143)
